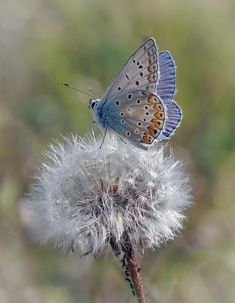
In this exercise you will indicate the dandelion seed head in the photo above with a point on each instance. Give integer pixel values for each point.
(85, 197)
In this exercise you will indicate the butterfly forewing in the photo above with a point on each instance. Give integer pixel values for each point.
(140, 72)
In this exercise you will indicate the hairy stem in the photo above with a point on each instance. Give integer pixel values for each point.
(132, 270)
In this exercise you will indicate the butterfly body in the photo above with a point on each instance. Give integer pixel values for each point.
(138, 105)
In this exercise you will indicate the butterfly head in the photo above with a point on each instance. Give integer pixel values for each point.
(94, 106)
(93, 103)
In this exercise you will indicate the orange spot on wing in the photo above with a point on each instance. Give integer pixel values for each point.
(158, 107)
(147, 139)
(153, 99)
(158, 123)
(155, 121)
(159, 115)
(150, 100)
(151, 130)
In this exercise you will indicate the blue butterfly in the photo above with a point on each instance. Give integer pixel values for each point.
(138, 104)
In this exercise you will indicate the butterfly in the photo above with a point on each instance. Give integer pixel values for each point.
(138, 105)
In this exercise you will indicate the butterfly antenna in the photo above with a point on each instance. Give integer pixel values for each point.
(90, 90)
(78, 90)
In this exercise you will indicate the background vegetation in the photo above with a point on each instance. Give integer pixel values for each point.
(42, 44)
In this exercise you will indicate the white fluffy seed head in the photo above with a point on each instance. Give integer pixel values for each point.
(86, 198)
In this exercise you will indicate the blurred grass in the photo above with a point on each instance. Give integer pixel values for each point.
(45, 43)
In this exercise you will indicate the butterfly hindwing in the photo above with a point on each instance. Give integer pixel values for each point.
(139, 72)
(136, 115)
(173, 119)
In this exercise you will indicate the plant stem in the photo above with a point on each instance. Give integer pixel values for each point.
(133, 271)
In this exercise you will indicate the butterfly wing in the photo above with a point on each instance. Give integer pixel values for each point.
(139, 72)
(138, 104)
(138, 116)
(166, 89)
(167, 76)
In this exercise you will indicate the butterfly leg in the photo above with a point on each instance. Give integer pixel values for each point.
(122, 140)
(105, 132)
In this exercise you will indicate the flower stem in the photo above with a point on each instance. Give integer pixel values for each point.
(132, 270)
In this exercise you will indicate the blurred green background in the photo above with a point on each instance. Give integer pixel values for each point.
(42, 44)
